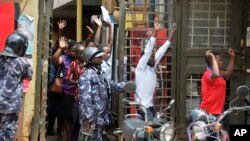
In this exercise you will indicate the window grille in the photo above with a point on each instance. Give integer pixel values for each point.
(136, 39)
(209, 24)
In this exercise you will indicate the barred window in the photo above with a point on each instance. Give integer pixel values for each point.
(209, 24)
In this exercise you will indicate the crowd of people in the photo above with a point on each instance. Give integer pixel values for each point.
(86, 68)
(76, 63)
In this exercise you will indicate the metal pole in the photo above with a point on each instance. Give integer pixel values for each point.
(35, 123)
(46, 38)
(114, 54)
(121, 56)
(121, 59)
(79, 21)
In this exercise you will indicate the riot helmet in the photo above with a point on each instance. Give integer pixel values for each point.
(90, 52)
(15, 45)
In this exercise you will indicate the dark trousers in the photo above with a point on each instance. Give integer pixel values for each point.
(76, 123)
(8, 126)
(54, 111)
(68, 106)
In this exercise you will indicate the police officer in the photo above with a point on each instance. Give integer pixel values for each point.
(95, 91)
(13, 70)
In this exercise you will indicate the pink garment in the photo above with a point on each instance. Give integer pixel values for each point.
(25, 85)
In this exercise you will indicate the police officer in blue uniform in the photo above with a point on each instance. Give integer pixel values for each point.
(14, 68)
(95, 91)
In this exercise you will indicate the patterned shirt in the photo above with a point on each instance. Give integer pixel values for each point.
(67, 87)
(73, 73)
(12, 73)
(95, 99)
(107, 67)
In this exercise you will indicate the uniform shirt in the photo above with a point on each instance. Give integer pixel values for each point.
(145, 76)
(95, 99)
(213, 93)
(12, 73)
(107, 67)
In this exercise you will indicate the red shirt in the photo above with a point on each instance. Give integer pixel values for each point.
(213, 93)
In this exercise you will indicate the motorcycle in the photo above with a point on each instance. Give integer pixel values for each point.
(204, 126)
(134, 128)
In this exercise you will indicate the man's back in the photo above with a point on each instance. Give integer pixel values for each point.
(12, 73)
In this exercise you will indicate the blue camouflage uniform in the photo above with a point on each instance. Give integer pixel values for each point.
(95, 99)
(12, 73)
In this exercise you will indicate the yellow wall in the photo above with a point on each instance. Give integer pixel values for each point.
(29, 7)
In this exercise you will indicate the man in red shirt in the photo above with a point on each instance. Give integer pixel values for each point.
(213, 84)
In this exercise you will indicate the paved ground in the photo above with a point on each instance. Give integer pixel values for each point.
(54, 138)
(51, 138)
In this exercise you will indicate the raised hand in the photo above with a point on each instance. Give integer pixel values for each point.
(208, 53)
(63, 43)
(231, 52)
(156, 24)
(91, 32)
(61, 24)
(107, 24)
(95, 21)
(98, 22)
(173, 32)
(156, 28)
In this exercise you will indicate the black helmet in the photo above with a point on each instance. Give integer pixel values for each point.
(15, 45)
(91, 52)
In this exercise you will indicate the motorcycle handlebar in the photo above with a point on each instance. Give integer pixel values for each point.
(130, 102)
(233, 109)
(137, 104)
(154, 124)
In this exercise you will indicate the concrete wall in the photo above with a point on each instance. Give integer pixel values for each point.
(29, 7)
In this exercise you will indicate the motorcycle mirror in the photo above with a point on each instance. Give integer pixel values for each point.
(169, 105)
(171, 102)
(130, 87)
(242, 91)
